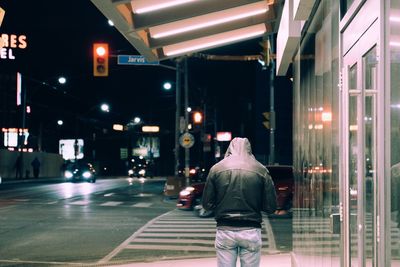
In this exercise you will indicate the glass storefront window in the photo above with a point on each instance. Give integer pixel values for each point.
(316, 239)
(394, 46)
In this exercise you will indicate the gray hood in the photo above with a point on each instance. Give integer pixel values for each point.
(239, 147)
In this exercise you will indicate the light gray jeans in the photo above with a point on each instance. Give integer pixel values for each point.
(246, 244)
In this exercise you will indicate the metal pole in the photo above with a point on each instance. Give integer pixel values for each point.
(272, 108)
(177, 114)
(187, 155)
(21, 134)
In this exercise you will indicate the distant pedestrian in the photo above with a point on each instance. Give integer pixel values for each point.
(238, 189)
(18, 167)
(36, 167)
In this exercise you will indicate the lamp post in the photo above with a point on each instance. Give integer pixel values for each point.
(168, 86)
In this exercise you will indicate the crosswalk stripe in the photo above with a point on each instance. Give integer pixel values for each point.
(178, 235)
(142, 205)
(80, 202)
(169, 240)
(186, 222)
(181, 226)
(172, 247)
(111, 203)
(195, 230)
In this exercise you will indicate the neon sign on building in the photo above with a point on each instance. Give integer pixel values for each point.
(10, 42)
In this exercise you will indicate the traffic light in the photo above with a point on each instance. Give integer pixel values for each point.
(100, 59)
(269, 122)
(197, 117)
(266, 52)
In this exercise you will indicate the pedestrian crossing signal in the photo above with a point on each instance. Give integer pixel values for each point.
(100, 59)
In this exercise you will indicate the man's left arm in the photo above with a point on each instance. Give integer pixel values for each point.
(208, 200)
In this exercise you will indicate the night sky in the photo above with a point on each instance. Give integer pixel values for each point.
(59, 36)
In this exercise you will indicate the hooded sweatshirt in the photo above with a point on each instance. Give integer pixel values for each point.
(239, 188)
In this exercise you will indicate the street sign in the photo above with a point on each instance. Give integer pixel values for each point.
(134, 60)
(186, 140)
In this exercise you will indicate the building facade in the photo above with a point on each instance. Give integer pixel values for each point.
(345, 58)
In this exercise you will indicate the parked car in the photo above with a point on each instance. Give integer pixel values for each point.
(190, 197)
(80, 171)
(284, 187)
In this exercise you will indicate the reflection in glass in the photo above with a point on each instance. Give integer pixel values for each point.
(353, 184)
(370, 68)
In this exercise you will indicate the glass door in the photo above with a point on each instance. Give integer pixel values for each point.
(359, 93)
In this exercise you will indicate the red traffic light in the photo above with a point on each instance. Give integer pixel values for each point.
(100, 59)
(197, 117)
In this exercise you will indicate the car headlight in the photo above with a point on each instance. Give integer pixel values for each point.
(186, 191)
(130, 172)
(68, 174)
(142, 172)
(86, 174)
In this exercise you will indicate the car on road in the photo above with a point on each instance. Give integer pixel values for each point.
(80, 170)
(190, 197)
(139, 167)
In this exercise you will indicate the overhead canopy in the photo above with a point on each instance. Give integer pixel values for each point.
(162, 29)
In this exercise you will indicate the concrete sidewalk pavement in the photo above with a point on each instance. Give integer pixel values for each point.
(273, 260)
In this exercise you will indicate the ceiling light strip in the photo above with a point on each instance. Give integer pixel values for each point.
(146, 6)
(208, 20)
(215, 40)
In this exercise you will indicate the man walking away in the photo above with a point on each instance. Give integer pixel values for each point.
(238, 189)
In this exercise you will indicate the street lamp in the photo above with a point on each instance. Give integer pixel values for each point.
(62, 80)
(167, 86)
(105, 107)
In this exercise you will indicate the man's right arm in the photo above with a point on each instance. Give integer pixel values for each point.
(269, 197)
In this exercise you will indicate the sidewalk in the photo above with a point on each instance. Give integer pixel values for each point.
(273, 260)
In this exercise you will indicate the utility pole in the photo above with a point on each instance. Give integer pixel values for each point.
(177, 114)
(187, 151)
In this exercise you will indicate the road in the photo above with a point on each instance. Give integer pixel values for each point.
(112, 221)
(63, 223)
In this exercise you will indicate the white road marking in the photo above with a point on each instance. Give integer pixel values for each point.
(80, 202)
(111, 203)
(142, 205)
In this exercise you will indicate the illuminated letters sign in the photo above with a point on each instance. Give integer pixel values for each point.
(11, 42)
